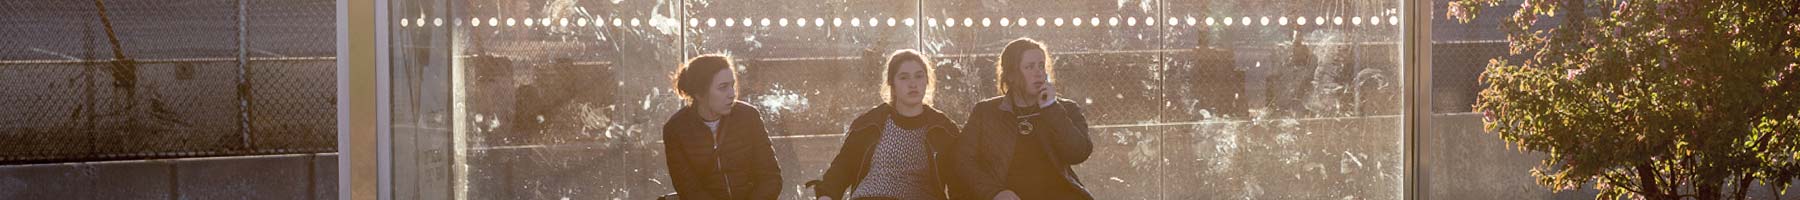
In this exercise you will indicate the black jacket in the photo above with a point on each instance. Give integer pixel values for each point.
(741, 166)
(985, 150)
(852, 162)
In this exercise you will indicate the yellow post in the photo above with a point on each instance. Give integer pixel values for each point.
(356, 99)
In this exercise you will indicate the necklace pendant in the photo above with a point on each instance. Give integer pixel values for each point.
(1025, 127)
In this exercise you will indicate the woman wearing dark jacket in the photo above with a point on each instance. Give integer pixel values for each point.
(895, 150)
(1021, 145)
(716, 146)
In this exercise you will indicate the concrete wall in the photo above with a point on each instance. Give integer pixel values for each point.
(291, 176)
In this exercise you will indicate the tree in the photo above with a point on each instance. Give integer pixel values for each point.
(1652, 99)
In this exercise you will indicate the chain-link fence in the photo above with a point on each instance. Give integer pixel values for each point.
(107, 79)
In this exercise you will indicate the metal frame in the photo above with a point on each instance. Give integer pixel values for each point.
(1415, 50)
(342, 35)
(384, 112)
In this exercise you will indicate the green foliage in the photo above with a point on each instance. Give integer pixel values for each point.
(1653, 99)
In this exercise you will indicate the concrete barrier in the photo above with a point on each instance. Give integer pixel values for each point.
(290, 176)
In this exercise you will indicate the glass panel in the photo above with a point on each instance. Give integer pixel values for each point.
(809, 81)
(1284, 99)
(564, 103)
(497, 99)
(420, 79)
(1176, 97)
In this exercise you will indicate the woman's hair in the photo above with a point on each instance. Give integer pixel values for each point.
(893, 67)
(1008, 67)
(694, 77)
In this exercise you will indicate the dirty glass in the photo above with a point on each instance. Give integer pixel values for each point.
(1186, 99)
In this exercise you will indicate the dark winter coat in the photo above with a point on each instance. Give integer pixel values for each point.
(985, 149)
(738, 163)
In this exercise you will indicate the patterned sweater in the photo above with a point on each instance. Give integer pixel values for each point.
(900, 168)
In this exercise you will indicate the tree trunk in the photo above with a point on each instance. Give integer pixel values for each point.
(1649, 186)
(1743, 187)
(1707, 190)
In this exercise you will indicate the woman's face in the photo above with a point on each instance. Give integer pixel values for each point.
(1032, 75)
(719, 94)
(910, 83)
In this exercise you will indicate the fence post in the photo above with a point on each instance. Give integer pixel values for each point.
(245, 100)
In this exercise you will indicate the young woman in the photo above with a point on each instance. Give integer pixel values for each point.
(1021, 145)
(716, 146)
(894, 150)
